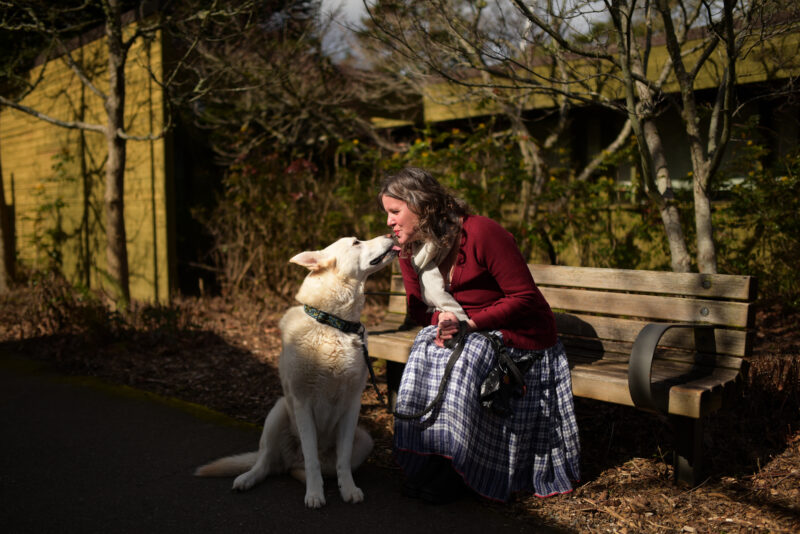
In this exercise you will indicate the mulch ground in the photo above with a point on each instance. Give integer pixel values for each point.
(223, 354)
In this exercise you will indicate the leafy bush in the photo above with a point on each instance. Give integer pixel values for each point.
(272, 208)
(576, 222)
(760, 232)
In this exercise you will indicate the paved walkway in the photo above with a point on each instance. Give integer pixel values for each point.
(77, 455)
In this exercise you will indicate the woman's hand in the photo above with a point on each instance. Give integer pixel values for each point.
(448, 327)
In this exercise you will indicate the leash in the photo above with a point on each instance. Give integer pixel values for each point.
(448, 370)
(457, 343)
(348, 327)
(460, 341)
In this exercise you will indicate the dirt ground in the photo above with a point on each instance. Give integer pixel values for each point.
(223, 355)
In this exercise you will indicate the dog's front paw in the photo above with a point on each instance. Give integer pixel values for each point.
(352, 494)
(314, 499)
(244, 482)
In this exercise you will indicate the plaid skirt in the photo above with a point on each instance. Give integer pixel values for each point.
(535, 449)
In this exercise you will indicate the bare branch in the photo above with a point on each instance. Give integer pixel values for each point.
(523, 7)
(73, 125)
(612, 148)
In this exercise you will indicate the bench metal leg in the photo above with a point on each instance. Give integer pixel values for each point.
(394, 372)
(687, 459)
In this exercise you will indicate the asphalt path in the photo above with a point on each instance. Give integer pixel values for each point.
(79, 455)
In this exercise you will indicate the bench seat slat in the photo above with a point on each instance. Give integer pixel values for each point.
(663, 372)
(701, 285)
(391, 321)
(386, 341)
(387, 337)
(733, 314)
(392, 336)
(694, 397)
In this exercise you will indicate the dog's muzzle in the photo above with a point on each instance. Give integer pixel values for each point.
(379, 259)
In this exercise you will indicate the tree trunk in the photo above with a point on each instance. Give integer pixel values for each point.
(706, 250)
(6, 242)
(534, 171)
(116, 239)
(680, 259)
(648, 141)
(701, 167)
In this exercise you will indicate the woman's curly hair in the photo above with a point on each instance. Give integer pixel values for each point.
(439, 210)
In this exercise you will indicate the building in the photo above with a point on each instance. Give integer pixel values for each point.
(54, 176)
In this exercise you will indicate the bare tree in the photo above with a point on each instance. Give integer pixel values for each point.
(53, 25)
(488, 52)
(6, 247)
(290, 126)
(268, 82)
(703, 38)
(587, 52)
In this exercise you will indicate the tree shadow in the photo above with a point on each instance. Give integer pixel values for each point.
(197, 366)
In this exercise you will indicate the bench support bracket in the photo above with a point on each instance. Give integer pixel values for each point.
(687, 458)
(640, 365)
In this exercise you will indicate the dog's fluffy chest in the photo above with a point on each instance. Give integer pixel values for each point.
(319, 359)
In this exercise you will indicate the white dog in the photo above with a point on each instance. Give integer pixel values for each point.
(312, 429)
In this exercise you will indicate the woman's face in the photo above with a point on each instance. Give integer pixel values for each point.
(401, 219)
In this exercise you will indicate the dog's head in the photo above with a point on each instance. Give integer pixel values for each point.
(338, 272)
(349, 257)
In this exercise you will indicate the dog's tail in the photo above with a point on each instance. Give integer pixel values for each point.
(228, 466)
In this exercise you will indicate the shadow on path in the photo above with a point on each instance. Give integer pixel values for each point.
(78, 455)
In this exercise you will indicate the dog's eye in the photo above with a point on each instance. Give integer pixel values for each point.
(356, 243)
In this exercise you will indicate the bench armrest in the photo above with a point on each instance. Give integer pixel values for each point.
(640, 364)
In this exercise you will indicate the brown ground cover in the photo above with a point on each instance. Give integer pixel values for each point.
(223, 354)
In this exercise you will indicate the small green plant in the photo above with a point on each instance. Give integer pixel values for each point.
(49, 237)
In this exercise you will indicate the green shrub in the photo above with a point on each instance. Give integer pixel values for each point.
(272, 208)
(760, 230)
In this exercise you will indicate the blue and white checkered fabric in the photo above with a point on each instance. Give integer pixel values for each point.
(536, 449)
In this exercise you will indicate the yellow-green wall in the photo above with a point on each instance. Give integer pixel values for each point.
(44, 163)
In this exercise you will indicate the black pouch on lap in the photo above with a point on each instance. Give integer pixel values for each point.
(506, 379)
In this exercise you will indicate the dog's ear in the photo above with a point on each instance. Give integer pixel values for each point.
(313, 260)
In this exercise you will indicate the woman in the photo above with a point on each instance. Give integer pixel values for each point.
(465, 272)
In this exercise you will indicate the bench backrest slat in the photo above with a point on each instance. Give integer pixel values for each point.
(733, 314)
(397, 301)
(619, 350)
(723, 341)
(723, 286)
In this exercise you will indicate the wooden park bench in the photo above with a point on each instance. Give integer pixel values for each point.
(667, 342)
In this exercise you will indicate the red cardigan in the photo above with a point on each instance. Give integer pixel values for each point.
(493, 284)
